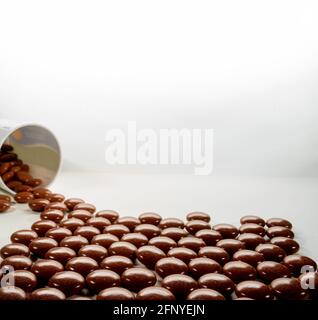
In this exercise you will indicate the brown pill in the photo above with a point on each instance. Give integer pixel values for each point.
(205, 294)
(81, 265)
(41, 193)
(14, 249)
(24, 279)
(68, 282)
(4, 205)
(102, 279)
(40, 246)
(290, 246)
(12, 293)
(59, 233)
(192, 243)
(60, 254)
(47, 294)
(6, 147)
(170, 265)
(122, 248)
(137, 239)
(7, 156)
(44, 269)
(171, 223)
(231, 245)
(149, 255)
(83, 215)
(94, 251)
(248, 256)
(273, 222)
(4, 167)
(56, 197)
(79, 298)
(24, 176)
(250, 240)
(5, 198)
(57, 206)
(252, 228)
(271, 270)
(118, 264)
(239, 271)
(163, 243)
(129, 222)
(38, 205)
(138, 278)
(194, 226)
(34, 182)
(87, 232)
(53, 215)
(200, 266)
(72, 223)
(198, 216)
(7, 176)
(98, 222)
(24, 167)
(74, 242)
(150, 218)
(117, 230)
(296, 262)
(271, 252)
(179, 284)
(111, 215)
(23, 236)
(184, 254)
(210, 237)
(215, 253)
(41, 227)
(105, 240)
(227, 231)
(174, 233)
(85, 206)
(277, 231)
(13, 184)
(255, 290)
(155, 294)
(115, 294)
(288, 289)
(218, 282)
(17, 262)
(252, 219)
(149, 230)
(72, 202)
(22, 188)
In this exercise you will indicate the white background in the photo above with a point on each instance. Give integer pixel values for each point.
(247, 69)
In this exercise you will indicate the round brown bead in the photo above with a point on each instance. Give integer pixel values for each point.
(215, 253)
(198, 216)
(227, 231)
(40, 246)
(255, 290)
(122, 248)
(93, 251)
(23, 236)
(163, 243)
(138, 278)
(200, 266)
(115, 294)
(118, 264)
(205, 294)
(137, 239)
(184, 254)
(170, 265)
(155, 294)
(218, 282)
(101, 279)
(68, 282)
(179, 284)
(252, 219)
(271, 270)
(81, 265)
(149, 255)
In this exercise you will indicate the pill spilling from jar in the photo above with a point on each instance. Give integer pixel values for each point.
(75, 252)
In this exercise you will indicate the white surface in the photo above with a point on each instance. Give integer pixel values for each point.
(227, 199)
(247, 69)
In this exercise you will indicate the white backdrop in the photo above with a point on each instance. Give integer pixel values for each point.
(247, 69)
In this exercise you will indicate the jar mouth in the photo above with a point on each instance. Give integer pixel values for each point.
(37, 147)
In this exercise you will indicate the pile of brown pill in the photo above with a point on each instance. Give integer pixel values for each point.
(73, 252)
